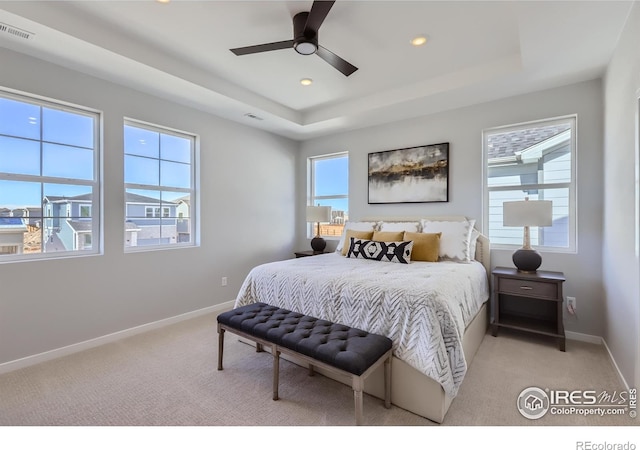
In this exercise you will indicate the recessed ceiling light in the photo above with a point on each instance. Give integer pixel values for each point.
(419, 40)
(306, 81)
(163, 1)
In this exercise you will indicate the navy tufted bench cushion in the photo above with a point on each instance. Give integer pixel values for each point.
(346, 348)
(320, 342)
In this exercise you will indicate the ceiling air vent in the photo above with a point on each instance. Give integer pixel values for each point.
(17, 32)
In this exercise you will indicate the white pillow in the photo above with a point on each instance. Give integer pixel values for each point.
(357, 226)
(412, 227)
(473, 244)
(455, 241)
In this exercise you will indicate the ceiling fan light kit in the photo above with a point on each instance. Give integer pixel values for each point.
(305, 39)
(302, 43)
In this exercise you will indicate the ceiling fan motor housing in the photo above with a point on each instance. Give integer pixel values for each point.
(303, 44)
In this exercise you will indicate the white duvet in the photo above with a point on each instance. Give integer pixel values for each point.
(423, 307)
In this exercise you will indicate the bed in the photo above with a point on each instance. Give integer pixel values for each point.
(434, 311)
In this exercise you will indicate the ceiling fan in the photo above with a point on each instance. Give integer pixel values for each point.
(305, 38)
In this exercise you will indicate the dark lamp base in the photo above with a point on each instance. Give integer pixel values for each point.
(527, 261)
(318, 244)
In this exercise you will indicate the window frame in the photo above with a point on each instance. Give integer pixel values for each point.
(313, 199)
(95, 183)
(157, 211)
(570, 185)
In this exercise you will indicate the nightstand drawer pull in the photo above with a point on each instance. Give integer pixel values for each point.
(526, 288)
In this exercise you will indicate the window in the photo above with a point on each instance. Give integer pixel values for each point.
(49, 178)
(534, 160)
(329, 186)
(159, 175)
(85, 211)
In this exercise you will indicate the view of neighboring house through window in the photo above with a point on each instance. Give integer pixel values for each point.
(329, 186)
(159, 172)
(49, 178)
(534, 160)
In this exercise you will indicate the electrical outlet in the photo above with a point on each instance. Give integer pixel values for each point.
(224, 281)
(571, 305)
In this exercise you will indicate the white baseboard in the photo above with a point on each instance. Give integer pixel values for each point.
(600, 341)
(626, 385)
(91, 343)
(591, 339)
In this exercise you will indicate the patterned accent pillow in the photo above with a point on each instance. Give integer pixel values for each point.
(398, 252)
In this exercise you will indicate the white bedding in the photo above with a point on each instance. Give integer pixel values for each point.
(423, 307)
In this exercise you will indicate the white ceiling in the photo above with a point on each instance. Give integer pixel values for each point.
(477, 51)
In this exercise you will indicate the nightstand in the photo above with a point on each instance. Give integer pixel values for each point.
(530, 302)
(308, 253)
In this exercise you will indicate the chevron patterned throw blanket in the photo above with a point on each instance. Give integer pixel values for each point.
(423, 307)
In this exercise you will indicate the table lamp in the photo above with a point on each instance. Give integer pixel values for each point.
(527, 214)
(318, 214)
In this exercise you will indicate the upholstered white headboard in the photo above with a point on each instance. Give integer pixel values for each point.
(483, 248)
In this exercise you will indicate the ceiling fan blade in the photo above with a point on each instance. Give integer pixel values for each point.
(337, 62)
(318, 13)
(262, 47)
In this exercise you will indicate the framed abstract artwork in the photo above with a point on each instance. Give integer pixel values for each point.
(410, 175)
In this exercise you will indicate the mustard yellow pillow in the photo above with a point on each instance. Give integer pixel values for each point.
(426, 246)
(387, 236)
(354, 234)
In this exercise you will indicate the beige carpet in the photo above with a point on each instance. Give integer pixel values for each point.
(169, 377)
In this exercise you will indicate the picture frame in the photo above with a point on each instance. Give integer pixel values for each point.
(409, 175)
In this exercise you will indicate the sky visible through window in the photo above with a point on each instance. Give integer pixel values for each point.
(332, 178)
(41, 141)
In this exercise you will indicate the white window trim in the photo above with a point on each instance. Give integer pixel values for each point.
(572, 185)
(312, 198)
(195, 182)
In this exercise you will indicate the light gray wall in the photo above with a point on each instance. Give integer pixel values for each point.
(247, 205)
(462, 128)
(621, 234)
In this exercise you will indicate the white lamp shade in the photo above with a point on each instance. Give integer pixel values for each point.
(537, 213)
(318, 213)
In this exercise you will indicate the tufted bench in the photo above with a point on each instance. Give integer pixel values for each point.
(320, 343)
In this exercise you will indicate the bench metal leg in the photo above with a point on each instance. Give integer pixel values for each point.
(220, 346)
(276, 370)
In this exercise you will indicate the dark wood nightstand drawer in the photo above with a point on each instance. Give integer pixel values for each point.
(528, 288)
